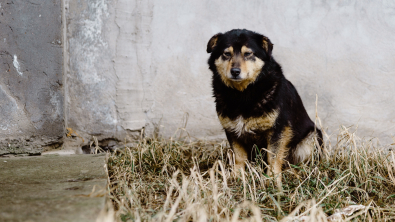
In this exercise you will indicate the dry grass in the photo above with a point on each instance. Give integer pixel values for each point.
(167, 180)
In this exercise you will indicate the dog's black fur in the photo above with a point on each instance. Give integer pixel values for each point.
(270, 91)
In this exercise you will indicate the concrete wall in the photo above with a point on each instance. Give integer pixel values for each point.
(31, 98)
(151, 68)
(90, 78)
(131, 64)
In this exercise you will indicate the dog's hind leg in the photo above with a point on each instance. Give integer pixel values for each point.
(307, 146)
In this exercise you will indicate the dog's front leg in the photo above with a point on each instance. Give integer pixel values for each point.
(276, 161)
(279, 151)
(240, 157)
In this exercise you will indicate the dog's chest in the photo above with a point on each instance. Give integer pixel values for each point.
(251, 125)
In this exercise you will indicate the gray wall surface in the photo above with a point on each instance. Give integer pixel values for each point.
(31, 98)
(151, 70)
(90, 78)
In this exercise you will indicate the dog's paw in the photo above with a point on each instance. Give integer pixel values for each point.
(237, 172)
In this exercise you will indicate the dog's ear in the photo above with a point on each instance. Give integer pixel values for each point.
(213, 42)
(267, 45)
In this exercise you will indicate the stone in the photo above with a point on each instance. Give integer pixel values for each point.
(52, 188)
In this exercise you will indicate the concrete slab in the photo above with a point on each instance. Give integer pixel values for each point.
(59, 152)
(52, 188)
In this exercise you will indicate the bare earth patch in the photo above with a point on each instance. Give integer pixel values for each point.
(167, 180)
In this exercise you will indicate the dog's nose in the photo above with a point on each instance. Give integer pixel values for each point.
(235, 72)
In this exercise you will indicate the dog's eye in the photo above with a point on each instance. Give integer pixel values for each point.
(247, 54)
(227, 54)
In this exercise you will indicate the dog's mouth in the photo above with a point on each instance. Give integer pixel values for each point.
(236, 79)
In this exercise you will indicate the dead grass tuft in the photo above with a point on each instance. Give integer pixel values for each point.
(167, 180)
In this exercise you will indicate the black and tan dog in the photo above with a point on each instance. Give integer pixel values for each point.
(256, 104)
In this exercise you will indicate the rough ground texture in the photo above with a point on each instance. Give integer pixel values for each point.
(31, 98)
(52, 188)
(167, 180)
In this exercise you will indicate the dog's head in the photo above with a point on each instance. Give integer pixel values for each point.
(239, 56)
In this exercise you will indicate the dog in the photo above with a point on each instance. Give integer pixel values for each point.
(256, 104)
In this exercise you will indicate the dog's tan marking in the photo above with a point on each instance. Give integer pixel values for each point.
(212, 43)
(240, 156)
(223, 66)
(245, 49)
(250, 68)
(241, 126)
(229, 49)
(305, 148)
(262, 123)
(280, 150)
(237, 126)
(266, 44)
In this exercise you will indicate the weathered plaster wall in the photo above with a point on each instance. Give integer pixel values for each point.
(136, 64)
(31, 98)
(89, 72)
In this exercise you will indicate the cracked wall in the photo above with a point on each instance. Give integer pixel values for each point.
(142, 64)
(129, 65)
(90, 80)
(31, 97)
